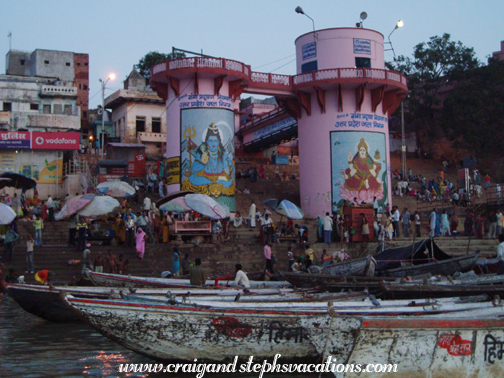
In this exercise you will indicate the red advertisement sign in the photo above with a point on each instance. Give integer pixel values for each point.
(136, 168)
(55, 141)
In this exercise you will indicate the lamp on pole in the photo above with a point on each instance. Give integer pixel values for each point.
(399, 24)
(300, 11)
(103, 83)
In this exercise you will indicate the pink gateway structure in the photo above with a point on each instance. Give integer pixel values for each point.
(341, 98)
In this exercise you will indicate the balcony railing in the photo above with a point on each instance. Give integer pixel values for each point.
(53, 90)
(151, 137)
(349, 73)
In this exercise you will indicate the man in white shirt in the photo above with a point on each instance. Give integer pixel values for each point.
(499, 222)
(147, 204)
(241, 278)
(327, 223)
(500, 255)
(396, 216)
(252, 214)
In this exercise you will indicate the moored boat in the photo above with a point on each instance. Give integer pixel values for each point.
(432, 290)
(119, 280)
(357, 267)
(462, 345)
(45, 302)
(421, 258)
(184, 332)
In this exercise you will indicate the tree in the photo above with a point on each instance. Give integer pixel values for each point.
(145, 63)
(473, 111)
(435, 65)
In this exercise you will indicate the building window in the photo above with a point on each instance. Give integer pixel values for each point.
(46, 62)
(140, 124)
(78, 64)
(47, 109)
(84, 114)
(156, 125)
(68, 109)
(85, 64)
(362, 63)
(34, 106)
(22, 61)
(58, 109)
(7, 106)
(67, 64)
(85, 87)
(310, 66)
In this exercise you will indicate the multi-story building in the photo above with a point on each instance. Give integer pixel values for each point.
(138, 115)
(54, 84)
(43, 108)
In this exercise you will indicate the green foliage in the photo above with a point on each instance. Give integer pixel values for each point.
(435, 64)
(472, 113)
(145, 63)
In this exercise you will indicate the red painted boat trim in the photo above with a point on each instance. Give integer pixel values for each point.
(322, 311)
(195, 309)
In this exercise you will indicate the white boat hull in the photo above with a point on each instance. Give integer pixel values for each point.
(177, 333)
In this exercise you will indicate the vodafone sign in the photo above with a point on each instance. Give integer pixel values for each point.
(55, 141)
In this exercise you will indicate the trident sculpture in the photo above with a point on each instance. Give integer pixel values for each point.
(188, 134)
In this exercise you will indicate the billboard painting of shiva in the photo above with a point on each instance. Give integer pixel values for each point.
(359, 167)
(207, 153)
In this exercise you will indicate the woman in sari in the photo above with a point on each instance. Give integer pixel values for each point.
(320, 229)
(363, 171)
(119, 229)
(43, 213)
(468, 224)
(478, 227)
(165, 230)
(140, 242)
(453, 223)
(445, 224)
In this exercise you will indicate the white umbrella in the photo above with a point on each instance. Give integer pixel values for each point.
(206, 205)
(7, 215)
(100, 205)
(116, 188)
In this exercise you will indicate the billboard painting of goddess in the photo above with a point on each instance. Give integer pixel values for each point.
(207, 153)
(359, 167)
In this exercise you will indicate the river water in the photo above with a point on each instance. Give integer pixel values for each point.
(31, 348)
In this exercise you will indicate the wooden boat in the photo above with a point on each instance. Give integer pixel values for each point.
(183, 332)
(333, 283)
(118, 280)
(45, 302)
(468, 345)
(443, 268)
(357, 267)
(408, 291)
(423, 257)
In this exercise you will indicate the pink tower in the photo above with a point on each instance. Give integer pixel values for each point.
(341, 98)
(346, 97)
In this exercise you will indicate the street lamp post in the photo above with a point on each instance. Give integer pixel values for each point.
(300, 11)
(103, 83)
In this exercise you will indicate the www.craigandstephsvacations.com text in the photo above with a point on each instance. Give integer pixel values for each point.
(259, 367)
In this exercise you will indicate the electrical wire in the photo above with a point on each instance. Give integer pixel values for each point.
(276, 61)
(282, 65)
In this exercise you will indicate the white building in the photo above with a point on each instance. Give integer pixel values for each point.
(138, 115)
(42, 96)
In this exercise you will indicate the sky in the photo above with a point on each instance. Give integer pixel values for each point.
(260, 33)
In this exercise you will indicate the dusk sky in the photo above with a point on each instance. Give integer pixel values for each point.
(117, 33)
